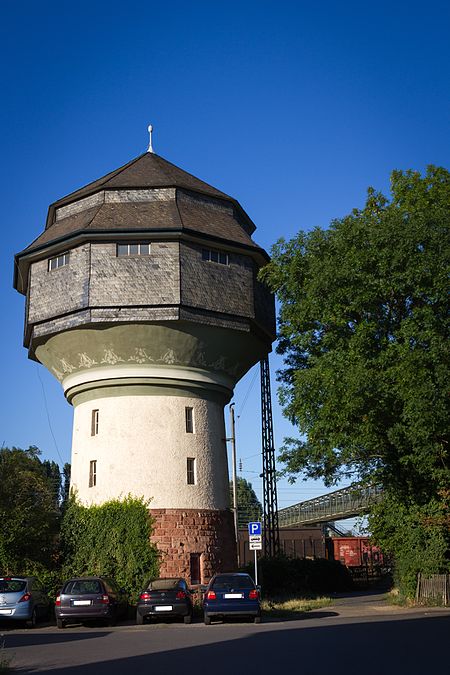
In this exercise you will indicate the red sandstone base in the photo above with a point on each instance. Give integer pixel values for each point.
(194, 544)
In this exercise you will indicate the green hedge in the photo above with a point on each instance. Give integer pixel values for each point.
(110, 540)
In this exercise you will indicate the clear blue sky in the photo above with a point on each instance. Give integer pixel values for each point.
(294, 108)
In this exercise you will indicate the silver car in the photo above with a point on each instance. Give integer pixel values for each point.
(23, 599)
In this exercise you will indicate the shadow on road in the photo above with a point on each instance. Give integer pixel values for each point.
(36, 637)
(404, 647)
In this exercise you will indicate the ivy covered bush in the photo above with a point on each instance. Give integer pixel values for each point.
(110, 540)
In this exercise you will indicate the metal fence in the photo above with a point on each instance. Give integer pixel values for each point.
(433, 589)
(345, 503)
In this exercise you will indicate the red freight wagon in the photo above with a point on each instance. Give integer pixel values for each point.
(356, 551)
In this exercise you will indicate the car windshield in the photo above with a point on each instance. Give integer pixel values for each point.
(227, 581)
(82, 587)
(163, 584)
(12, 585)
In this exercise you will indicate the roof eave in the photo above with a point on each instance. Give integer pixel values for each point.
(23, 259)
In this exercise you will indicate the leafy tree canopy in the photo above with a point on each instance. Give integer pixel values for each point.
(249, 506)
(363, 330)
(29, 509)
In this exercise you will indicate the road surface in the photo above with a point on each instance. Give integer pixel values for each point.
(358, 635)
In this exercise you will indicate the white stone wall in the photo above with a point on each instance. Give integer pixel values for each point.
(142, 448)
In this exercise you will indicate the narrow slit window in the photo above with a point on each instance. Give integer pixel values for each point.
(94, 423)
(191, 478)
(189, 420)
(93, 473)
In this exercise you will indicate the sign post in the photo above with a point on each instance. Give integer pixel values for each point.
(255, 543)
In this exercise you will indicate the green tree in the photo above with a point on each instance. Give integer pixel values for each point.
(29, 510)
(363, 330)
(249, 506)
(65, 486)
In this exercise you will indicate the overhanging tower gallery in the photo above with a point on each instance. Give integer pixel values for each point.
(143, 300)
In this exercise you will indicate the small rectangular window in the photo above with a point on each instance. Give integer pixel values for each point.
(93, 473)
(191, 478)
(211, 255)
(135, 248)
(189, 420)
(58, 261)
(94, 423)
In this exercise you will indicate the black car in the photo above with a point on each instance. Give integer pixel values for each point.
(163, 598)
(231, 595)
(84, 598)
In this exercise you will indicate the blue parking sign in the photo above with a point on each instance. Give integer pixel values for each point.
(254, 528)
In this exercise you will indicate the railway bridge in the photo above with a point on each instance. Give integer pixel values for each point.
(345, 503)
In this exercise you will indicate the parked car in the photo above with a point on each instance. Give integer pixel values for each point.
(233, 594)
(84, 598)
(165, 597)
(23, 599)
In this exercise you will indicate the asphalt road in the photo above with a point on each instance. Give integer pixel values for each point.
(355, 636)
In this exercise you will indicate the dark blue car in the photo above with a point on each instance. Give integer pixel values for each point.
(231, 595)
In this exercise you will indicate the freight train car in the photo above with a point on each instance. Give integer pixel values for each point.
(355, 552)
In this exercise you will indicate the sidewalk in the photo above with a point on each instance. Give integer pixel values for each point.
(371, 604)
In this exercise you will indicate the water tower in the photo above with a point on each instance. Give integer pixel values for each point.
(142, 299)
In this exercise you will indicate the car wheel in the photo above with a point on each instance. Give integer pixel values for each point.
(139, 619)
(60, 623)
(32, 621)
(207, 620)
(257, 619)
(187, 618)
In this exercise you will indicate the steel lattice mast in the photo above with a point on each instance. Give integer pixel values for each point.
(271, 533)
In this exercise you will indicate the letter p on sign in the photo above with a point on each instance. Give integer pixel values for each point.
(254, 528)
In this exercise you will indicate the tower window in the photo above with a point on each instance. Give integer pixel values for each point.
(58, 261)
(189, 420)
(136, 248)
(94, 423)
(190, 471)
(93, 473)
(211, 255)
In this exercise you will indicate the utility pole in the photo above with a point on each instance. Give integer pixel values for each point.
(271, 536)
(234, 478)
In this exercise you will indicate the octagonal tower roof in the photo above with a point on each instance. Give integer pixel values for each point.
(146, 196)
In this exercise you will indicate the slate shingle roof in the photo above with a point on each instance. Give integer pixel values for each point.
(147, 170)
(196, 207)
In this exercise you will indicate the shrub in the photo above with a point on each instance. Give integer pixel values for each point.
(112, 539)
(416, 535)
(287, 576)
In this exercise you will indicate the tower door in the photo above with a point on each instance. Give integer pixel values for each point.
(195, 568)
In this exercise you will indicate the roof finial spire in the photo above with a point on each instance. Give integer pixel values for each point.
(150, 147)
